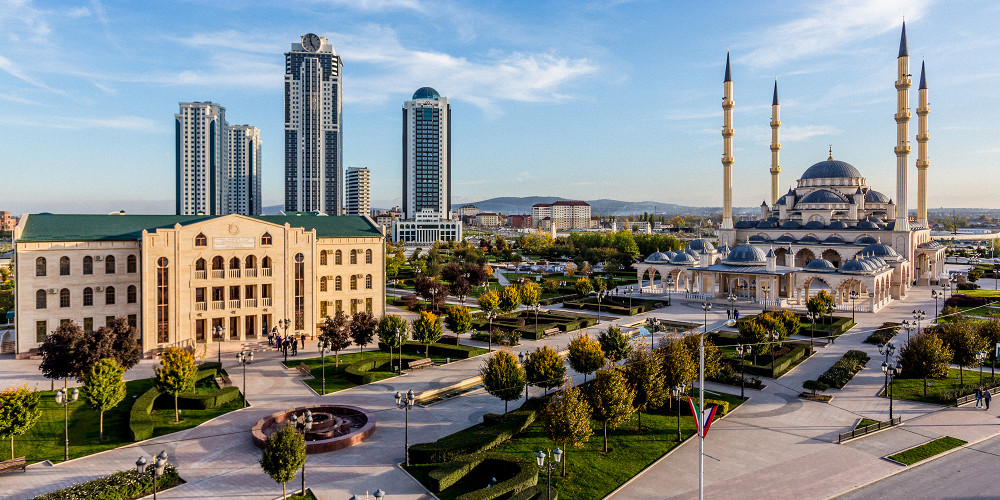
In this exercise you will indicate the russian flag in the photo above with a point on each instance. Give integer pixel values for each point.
(702, 418)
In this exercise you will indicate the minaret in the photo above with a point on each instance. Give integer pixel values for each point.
(775, 144)
(902, 148)
(922, 138)
(727, 149)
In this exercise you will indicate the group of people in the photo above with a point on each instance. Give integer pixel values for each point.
(289, 342)
(983, 398)
(732, 313)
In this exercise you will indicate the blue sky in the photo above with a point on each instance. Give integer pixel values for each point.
(586, 100)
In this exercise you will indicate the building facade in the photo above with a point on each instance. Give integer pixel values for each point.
(313, 131)
(179, 279)
(201, 137)
(563, 214)
(7, 221)
(427, 154)
(488, 219)
(244, 170)
(357, 182)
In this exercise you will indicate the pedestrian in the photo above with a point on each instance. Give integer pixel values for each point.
(303, 340)
(729, 314)
(736, 314)
(979, 396)
(987, 396)
(295, 346)
(277, 341)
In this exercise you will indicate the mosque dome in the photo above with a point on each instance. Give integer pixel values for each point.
(867, 224)
(426, 93)
(683, 258)
(766, 224)
(700, 245)
(854, 266)
(823, 196)
(659, 258)
(820, 265)
(814, 224)
(880, 250)
(838, 224)
(873, 196)
(785, 239)
(830, 169)
(809, 240)
(724, 249)
(792, 224)
(758, 238)
(746, 255)
(833, 240)
(865, 240)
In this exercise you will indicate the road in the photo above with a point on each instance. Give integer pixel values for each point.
(967, 473)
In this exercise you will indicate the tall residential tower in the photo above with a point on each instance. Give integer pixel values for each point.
(357, 182)
(427, 155)
(200, 145)
(313, 132)
(244, 170)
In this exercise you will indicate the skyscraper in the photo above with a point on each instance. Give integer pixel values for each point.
(313, 133)
(357, 182)
(202, 158)
(244, 170)
(427, 155)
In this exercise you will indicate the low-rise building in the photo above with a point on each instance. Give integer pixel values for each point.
(563, 214)
(7, 221)
(488, 219)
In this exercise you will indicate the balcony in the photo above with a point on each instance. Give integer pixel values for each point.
(250, 273)
(200, 275)
(234, 304)
(218, 274)
(265, 272)
(218, 304)
(201, 306)
(234, 273)
(266, 302)
(250, 303)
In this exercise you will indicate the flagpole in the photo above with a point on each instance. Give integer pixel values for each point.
(701, 406)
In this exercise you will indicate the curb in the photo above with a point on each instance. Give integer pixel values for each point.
(400, 467)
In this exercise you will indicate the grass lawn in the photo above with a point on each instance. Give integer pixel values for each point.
(308, 496)
(591, 473)
(45, 440)
(924, 451)
(865, 422)
(941, 390)
(980, 293)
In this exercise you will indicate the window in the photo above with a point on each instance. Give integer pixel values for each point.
(130, 264)
(354, 282)
(251, 262)
(300, 290)
(133, 321)
(109, 295)
(199, 295)
(322, 257)
(64, 297)
(88, 296)
(338, 284)
(234, 263)
(234, 292)
(337, 258)
(199, 265)
(322, 284)
(41, 331)
(217, 263)
(108, 320)
(199, 330)
(131, 294)
(354, 256)
(339, 305)
(368, 305)
(40, 266)
(109, 264)
(368, 256)
(354, 306)
(88, 265)
(265, 263)
(368, 282)
(40, 299)
(322, 309)
(265, 239)
(162, 302)
(218, 293)
(88, 324)
(200, 240)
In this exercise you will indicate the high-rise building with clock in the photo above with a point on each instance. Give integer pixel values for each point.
(313, 132)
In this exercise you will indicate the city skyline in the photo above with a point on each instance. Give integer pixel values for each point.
(644, 104)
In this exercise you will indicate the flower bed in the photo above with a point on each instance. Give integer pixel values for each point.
(844, 369)
(124, 485)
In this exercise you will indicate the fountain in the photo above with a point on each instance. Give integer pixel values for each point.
(333, 427)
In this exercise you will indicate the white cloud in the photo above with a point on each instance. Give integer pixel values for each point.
(377, 5)
(789, 133)
(9, 67)
(134, 123)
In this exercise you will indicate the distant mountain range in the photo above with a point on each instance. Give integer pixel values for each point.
(522, 205)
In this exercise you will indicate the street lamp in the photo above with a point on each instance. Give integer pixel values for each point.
(489, 315)
(219, 330)
(322, 347)
(62, 399)
(406, 405)
(936, 296)
(244, 358)
(653, 326)
(909, 326)
(678, 391)
(520, 356)
(285, 323)
(548, 467)
(732, 303)
(670, 286)
(600, 296)
(157, 468)
(945, 286)
(919, 316)
(741, 350)
(886, 350)
(854, 297)
(981, 357)
(891, 370)
(774, 337)
(303, 424)
(629, 291)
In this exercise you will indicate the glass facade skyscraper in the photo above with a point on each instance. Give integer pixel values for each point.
(201, 137)
(427, 155)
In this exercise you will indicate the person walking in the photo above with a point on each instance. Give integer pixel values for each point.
(729, 314)
(295, 346)
(987, 397)
(303, 340)
(979, 396)
(736, 314)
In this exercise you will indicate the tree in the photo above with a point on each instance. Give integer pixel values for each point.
(18, 412)
(175, 375)
(118, 341)
(392, 329)
(459, 319)
(585, 355)
(677, 365)
(925, 355)
(814, 385)
(713, 356)
(427, 330)
(567, 420)
(544, 368)
(820, 305)
(433, 290)
(503, 377)
(529, 294)
(643, 371)
(990, 330)
(284, 453)
(962, 338)
(460, 289)
(599, 284)
(336, 331)
(974, 275)
(488, 303)
(64, 352)
(615, 344)
(509, 299)
(362, 328)
(104, 388)
(611, 398)
(583, 286)
(754, 334)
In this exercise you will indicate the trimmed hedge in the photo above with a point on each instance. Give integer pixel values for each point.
(782, 365)
(883, 334)
(140, 423)
(536, 492)
(123, 485)
(213, 399)
(210, 365)
(525, 474)
(478, 438)
(358, 372)
(437, 349)
(823, 329)
(844, 369)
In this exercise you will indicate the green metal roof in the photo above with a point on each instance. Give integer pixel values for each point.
(73, 227)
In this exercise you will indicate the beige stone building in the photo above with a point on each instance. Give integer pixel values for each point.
(563, 214)
(182, 279)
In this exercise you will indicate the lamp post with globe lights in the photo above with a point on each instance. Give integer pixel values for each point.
(322, 347)
(157, 468)
(302, 424)
(219, 332)
(670, 286)
(741, 350)
(935, 295)
(891, 370)
(918, 316)
(653, 325)
(854, 295)
(886, 350)
(678, 391)
(64, 398)
(406, 404)
(244, 358)
(548, 467)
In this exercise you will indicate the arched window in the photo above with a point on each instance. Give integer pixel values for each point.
(265, 263)
(162, 301)
(300, 291)
(40, 299)
(199, 265)
(234, 263)
(354, 282)
(40, 266)
(88, 296)
(322, 284)
(322, 257)
(217, 263)
(64, 297)
(200, 240)
(131, 295)
(368, 256)
(354, 256)
(109, 295)
(130, 264)
(368, 282)
(109, 264)
(265, 239)
(63, 266)
(251, 262)
(338, 284)
(338, 258)
(88, 265)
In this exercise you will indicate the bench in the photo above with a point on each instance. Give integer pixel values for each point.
(304, 369)
(223, 382)
(420, 363)
(12, 465)
(550, 331)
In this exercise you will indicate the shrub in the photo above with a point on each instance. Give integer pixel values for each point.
(121, 485)
(968, 286)
(536, 492)
(436, 349)
(962, 300)
(524, 474)
(210, 365)
(883, 334)
(491, 433)
(814, 385)
(358, 372)
(723, 405)
(844, 369)
(140, 423)
(213, 399)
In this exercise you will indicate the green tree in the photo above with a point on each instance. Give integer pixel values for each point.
(713, 356)
(599, 284)
(567, 420)
(427, 330)
(974, 275)
(585, 355)
(336, 331)
(118, 341)
(529, 294)
(962, 338)
(503, 377)
(283, 455)
(489, 303)
(104, 388)
(615, 344)
(643, 370)
(392, 329)
(583, 286)
(677, 365)
(990, 330)
(175, 375)
(65, 352)
(754, 334)
(459, 320)
(509, 299)
(611, 398)
(18, 412)
(820, 305)
(362, 327)
(814, 385)
(544, 368)
(924, 356)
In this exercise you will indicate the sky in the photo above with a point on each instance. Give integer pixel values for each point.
(577, 99)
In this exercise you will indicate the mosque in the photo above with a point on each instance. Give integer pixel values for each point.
(831, 232)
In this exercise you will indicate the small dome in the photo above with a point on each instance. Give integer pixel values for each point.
(814, 224)
(792, 224)
(820, 265)
(823, 196)
(873, 196)
(658, 258)
(766, 224)
(746, 255)
(854, 266)
(701, 244)
(833, 240)
(785, 239)
(683, 258)
(724, 249)
(876, 220)
(867, 224)
(425, 93)
(809, 240)
(831, 169)
(745, 224)
(880, 250)
(838, 224)
(865, 240)
(757, 238)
